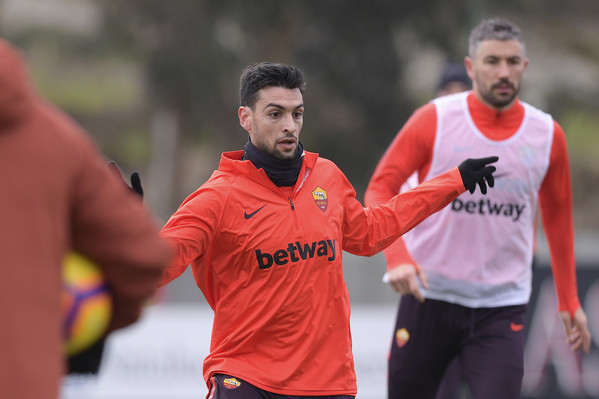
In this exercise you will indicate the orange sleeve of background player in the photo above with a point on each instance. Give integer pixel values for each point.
(410, 151)
(555, 199)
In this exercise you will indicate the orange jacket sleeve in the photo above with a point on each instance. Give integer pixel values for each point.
(368, 231)
(190, 233)
(555, 200)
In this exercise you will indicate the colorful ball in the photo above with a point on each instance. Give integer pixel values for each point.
(86, 302)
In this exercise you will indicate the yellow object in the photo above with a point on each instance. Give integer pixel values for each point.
(87, 304)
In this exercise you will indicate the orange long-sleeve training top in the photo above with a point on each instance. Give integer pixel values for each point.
(270, 265)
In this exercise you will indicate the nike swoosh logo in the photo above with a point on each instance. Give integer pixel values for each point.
(516, 327)
(249, 215)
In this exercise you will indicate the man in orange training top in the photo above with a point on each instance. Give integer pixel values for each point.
(264, 237)
(472, 260)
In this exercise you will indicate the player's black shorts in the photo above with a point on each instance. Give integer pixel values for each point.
(224, 386)
(488, 343)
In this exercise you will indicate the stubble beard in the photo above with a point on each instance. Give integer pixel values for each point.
(497, 101)
(283, 156)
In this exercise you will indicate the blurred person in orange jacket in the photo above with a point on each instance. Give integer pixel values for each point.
(58, 195)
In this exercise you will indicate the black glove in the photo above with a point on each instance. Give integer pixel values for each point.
(475, 171)
(136, 184)
(135, 179)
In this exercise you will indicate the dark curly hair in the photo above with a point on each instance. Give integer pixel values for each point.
(265, 74)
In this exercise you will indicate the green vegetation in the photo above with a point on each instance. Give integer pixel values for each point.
(582, 131)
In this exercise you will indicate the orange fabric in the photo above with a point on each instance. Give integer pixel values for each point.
(407, 153)
(555, 200)
(412, 149)
(270, 265)
(58, 194)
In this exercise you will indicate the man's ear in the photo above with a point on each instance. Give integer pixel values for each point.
(468, 64)
(245, 117)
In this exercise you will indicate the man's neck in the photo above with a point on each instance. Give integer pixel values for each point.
(496, 124)
(497, 109)
(283, 173)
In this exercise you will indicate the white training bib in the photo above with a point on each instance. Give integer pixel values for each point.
(477, 252)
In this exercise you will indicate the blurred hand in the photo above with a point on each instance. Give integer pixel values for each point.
(475, 171)
(136, 184)
(404, 279)
(577, 331)
(135, 179)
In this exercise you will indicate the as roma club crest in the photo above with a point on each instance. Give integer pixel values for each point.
(402, 336)
(320, 198)
(231, 383)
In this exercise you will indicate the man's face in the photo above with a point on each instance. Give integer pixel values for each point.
(275, 122)
(496, 71)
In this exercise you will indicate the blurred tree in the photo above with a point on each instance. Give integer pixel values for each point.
(195, 50)
(356, 70)
(191, 95)
(355, 55)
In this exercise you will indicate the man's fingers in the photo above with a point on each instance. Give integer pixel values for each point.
(135, 179)
(482, 185)
(136, 184)
(576, 342)
(414, 288)
(486, 178)
(581, 328)
(418, 295)
(489, 176)
(395, 286)
(475, 171)
(422, 277)
(577, 332)
(485, 161)
(567, 322)
(586, 344)
(404, 279)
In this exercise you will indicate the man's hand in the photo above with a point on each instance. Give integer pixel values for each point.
(404, 279)
(136, 184)
(577, 330)
(475, 171)
(135, 179)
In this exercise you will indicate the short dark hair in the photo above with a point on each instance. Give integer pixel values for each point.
(264, 74)
(494, 29)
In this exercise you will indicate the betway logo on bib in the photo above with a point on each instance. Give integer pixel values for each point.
(488, 207)
(296, 252)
